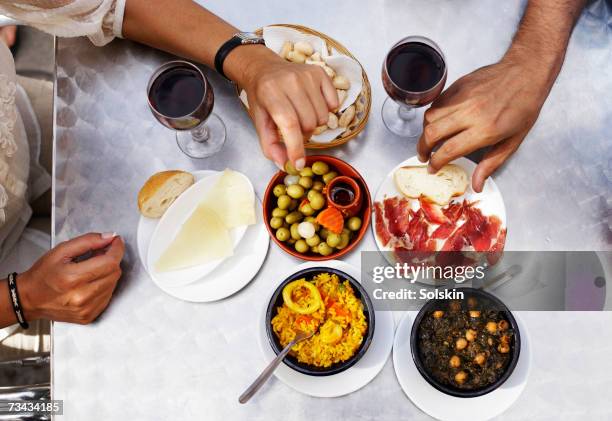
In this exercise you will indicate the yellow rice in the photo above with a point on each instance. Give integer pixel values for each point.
(313, 351)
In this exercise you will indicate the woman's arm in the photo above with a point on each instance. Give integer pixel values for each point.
(293, 98)
(496, 106)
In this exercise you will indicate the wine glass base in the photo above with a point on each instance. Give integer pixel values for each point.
(203, 149)
(411, 127)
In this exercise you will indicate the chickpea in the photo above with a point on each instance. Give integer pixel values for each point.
(471, 335)
(505, 339)
(480, 358)
(461, 377)
(503, 348)
(461, 344)
(454, 361)
(503, 325)
(438, 314)
(491, 327)
(279, 190)
(474, 314)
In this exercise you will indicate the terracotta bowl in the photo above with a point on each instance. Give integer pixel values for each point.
(342, 168)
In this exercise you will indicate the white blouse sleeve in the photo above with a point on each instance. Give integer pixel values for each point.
(100, 20)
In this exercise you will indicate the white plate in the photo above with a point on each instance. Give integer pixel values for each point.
(445, 407)
(170, 224)
(351, 379)
(230, 276)
(490, 200)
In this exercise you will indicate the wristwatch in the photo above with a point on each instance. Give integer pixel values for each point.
(241, 38)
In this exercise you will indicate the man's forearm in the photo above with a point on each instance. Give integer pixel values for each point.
(184, 28)
(543, 35)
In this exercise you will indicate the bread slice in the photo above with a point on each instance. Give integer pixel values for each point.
(440, 188)
(161, 190)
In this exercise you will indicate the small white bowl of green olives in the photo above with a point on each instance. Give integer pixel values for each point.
(295, 199)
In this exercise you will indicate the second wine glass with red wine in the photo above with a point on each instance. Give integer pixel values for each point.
(181, 98)
(413, 74)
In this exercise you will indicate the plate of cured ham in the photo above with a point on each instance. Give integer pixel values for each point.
(469, 221)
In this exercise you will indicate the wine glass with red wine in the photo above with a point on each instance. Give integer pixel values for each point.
(181, 98)
(413, 74)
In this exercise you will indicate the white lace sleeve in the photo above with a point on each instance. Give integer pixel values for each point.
(100, 20)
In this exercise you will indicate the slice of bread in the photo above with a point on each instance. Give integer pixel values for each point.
(161, 190)
(440, 188)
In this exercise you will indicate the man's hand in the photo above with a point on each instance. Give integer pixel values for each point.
(60, 289)
(287, 102)
(494, 106)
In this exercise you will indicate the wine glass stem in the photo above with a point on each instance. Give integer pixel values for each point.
(406, 113)
(200, 133)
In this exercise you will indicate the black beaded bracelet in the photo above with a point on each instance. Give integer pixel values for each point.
(14, 295)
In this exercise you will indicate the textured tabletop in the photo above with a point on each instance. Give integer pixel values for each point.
(152, 357)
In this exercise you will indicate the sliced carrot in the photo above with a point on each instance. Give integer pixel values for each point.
(331, 218)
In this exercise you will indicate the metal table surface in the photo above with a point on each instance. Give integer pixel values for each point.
(151, 357)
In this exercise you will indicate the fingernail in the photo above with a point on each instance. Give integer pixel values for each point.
(299, 164)
(422, 158)
(431, 169)
(107, 235)
(279, 166)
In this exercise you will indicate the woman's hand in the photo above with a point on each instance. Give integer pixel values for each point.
(287, 101)
(494, 106)
(60, 289)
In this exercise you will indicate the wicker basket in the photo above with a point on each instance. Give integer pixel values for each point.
(365, 97)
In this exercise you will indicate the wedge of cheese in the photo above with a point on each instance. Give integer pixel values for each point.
(233, 199)
(202, 238)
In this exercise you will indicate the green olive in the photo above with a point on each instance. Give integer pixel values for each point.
(291, 241)
(305, 182)
(320, 168)
(313, 241)
(354, 223)
(282, 234)
(294, 204)
(315, 249)
(279, 213)
(276, 222)
(317, 201)
(333, 239)
(318, 186)
(307, 209)
(294, 231)
(329, 176)
(324, 249)
(295, 191)
(301, 246)
(324, 233)
(293, 217)
(344, 241)
(307, 172)
(283, 202)
(290, 169)
(279, 190)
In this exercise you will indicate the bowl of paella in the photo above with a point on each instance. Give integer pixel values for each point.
(332, 304)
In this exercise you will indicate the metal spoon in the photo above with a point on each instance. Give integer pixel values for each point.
(265, 375)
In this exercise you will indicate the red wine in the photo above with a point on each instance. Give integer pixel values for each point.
(415, 67)
(177, 92)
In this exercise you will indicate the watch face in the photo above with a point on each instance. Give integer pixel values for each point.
(250, 38)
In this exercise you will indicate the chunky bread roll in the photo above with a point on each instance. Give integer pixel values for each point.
(440, 188)
(161, 190)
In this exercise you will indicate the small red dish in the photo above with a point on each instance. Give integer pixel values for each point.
(365, 213)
